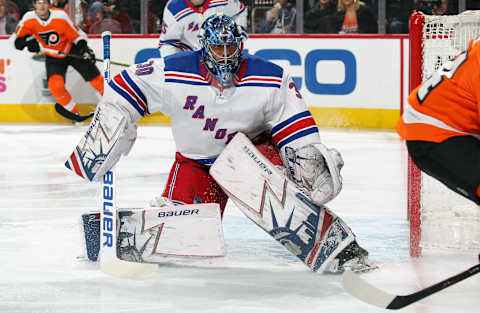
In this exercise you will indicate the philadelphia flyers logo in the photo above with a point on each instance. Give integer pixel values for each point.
(50, 37)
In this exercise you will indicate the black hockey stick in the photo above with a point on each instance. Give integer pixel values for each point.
(76, 56)
(81, 57)
(365, 292)
(71, 116)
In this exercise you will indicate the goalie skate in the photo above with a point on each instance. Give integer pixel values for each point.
(353, 258)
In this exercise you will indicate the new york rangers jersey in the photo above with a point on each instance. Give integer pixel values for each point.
(205, 118)
(182, 21)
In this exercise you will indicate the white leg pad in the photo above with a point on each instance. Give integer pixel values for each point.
(150, 235)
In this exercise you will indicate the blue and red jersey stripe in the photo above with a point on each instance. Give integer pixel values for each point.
(128, 89)
(297, 126)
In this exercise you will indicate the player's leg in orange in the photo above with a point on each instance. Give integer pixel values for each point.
(97, 83)
(56, 84)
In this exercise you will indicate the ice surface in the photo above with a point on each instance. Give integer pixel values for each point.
(41, 203)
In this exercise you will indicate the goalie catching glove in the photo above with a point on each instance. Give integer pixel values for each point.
(316, 169)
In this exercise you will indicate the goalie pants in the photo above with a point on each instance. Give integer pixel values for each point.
(455, 162)
(189, 181)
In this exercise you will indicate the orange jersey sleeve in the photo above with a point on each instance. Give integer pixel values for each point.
(446, 104)
(58, 33)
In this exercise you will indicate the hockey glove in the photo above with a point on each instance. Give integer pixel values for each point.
(85, 51)
(27, 41)
(316, 169)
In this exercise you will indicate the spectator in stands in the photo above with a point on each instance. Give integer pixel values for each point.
(81, 13)
(8, 21)
(23, 6)
(354, 17)
(435, 7)
(280, 19)
(12, 8)
(119, 12)
(320, 18)
(60, 4)
(441, 8)
(398, 15)
(103, 21)
(95, 14)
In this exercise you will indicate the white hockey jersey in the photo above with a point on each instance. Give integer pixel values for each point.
(182, 21)
(204, 119)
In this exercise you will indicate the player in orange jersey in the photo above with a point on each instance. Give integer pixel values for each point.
(51, 31)
(441, 124)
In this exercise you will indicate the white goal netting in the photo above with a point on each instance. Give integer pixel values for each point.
(448, 220)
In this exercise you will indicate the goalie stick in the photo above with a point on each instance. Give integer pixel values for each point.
(370, 294)
(109, 261)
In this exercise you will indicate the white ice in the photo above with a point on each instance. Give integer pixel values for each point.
(41, 203)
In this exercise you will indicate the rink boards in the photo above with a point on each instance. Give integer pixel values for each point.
(355, 81)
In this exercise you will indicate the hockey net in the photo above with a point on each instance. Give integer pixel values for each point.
(439, 218)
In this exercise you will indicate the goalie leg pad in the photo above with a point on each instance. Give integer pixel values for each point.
(150, 235)
(277, 205)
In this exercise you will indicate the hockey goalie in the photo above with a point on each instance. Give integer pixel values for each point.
(242, 132)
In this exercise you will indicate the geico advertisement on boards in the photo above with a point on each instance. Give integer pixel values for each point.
(329, 72)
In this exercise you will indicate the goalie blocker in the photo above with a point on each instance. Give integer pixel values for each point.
(110, 135)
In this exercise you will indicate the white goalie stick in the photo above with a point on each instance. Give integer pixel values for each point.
(368, 293)
(109, 261)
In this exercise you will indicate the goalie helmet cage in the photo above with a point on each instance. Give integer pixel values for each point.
(439, 218)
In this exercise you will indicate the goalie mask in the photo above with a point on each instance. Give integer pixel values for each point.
(222, 45)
